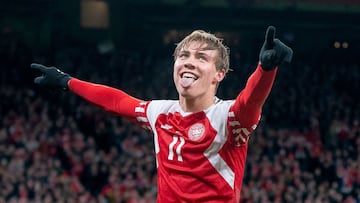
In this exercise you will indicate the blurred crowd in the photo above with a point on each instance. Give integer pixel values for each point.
(55, 147)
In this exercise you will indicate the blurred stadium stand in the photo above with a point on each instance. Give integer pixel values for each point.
(54, 147)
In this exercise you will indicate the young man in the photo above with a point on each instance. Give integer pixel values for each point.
(200, 140)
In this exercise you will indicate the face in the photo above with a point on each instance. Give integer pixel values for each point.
(195, 73)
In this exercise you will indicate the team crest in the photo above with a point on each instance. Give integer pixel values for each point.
(196, 131)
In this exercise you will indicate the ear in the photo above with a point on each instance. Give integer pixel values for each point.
(220, 75)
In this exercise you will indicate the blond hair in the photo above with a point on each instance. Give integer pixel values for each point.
(212, 43)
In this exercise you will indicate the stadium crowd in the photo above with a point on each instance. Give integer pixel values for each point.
(55, 147)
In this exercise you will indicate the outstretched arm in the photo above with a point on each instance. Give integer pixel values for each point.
(108, 98)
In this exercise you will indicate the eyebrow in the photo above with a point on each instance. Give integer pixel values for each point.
(202, 54)
(197, 51)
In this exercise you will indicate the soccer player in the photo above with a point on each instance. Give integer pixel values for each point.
(200, 140)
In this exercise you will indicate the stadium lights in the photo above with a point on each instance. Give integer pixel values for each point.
(343, 45)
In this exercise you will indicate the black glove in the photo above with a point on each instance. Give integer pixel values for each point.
(52, 77)
(273, 52)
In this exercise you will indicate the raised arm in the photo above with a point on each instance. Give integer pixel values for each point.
(249, 102)
(248, 105)
(272, 54)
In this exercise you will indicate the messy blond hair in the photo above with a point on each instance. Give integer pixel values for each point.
(212, 43)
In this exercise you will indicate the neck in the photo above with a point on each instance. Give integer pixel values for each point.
(196, 104)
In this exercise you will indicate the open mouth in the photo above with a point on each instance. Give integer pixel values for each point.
(187, 79)
(189, 76)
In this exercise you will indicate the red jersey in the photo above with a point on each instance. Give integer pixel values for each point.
(200, 156)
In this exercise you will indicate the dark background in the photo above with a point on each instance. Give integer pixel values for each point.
(55, 147)
(312, 25)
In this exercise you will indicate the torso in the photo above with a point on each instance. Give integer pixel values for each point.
(193, 164)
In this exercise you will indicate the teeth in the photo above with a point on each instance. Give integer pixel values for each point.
(189, 75)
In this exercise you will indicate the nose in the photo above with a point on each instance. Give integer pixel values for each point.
(190, 62)
(189, 65)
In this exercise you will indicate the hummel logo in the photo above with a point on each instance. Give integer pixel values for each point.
(166, 126)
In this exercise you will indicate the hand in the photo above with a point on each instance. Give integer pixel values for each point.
(52, 77)
(273, 52)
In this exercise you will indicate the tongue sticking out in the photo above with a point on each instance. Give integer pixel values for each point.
(186, 82)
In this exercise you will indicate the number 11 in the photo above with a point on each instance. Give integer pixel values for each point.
(178, 148)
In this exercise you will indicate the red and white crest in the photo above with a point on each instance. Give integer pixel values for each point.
(196, 131)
